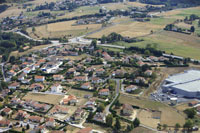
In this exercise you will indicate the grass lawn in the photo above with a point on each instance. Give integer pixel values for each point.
(169, 115)
(46, 98)
(142, 130)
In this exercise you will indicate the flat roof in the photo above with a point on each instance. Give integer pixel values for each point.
(187, 76)
(193, 86)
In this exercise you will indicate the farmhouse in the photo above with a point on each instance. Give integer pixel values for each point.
(185, 84)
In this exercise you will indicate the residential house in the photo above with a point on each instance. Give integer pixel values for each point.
(56, 88)
(71, 71)
(91, 104)
(97, 80)
(78, 115)
(58, 77)
(100, 117)
(21, 115)
(86, 130)
(22, 76)
(36, 87)
(127, 109)
(70, 99)
(81, 78)
(27, 70)
(50, 122)
(59, 110)
(5, 123)
(130, 88)
(148, 72)
(36, 119)
(7, 111)
(100, 71)
(39, 78)
(11, 73)
(86, 85)
(140, 80)
(14, 85)
(104, 92)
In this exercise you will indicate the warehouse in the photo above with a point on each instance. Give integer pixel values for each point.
(185, 84)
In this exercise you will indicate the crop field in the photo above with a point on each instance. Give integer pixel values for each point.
(128, 29)
(46, 98)
(169, 115)
(63, 29)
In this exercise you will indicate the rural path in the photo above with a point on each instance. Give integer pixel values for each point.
(116, 95)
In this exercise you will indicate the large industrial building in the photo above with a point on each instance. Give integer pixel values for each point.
(185, 84)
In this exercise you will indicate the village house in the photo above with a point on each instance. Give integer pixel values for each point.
(50, 122)
(56, 88)
(70, 99)
(193, 103)
(81, 78)
(100, 117)
(6, 111)
(21, 115)
(130, 88)
(140, 80)
(148, 72)
(58, 77)
(11, 73)
(22, 76)
(39, 78)
(71, 71)
(86, 85)
(104, 92)
(27, 70)
(59, 110)
(14, 85)
(36, 87)
(100, 71)
(91, 104)
(78, 115)
(96, 80)
(5, 123)
(127, 109)
(15, 101)
(36, 119)
(40, 107)
(86, 130)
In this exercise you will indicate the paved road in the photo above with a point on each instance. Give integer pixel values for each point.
(116, 95)
(2, 70)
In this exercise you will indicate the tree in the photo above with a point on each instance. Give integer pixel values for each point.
(165, 126)
(159, 127)
(190, 112)
(199, 23)
(117, 124)
(12, 59)
(27, 127)
(192, 29)
(136, 122)
(109, 120)
(147, 52)
(90, 116)
(188, 124)
(128, 128)
(33, 29)
(103, 39)
(177, 126)
(94, 43)
(101, 108)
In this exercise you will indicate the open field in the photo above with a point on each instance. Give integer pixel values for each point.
(11, 11)
(146, 119)
(16, 53)
(169, 115)
(128, 29)
(142, 130)
(46, 98)
(63, 29)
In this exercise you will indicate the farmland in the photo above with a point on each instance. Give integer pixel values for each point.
(61, 29)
